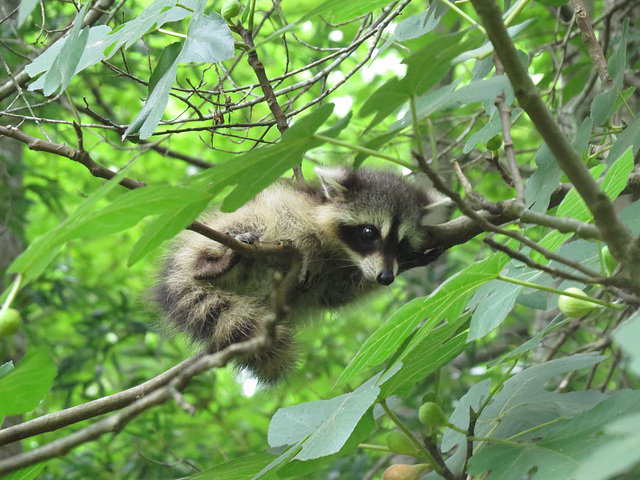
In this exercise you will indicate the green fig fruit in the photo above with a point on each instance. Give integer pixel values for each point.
(399, 443)
(575, 307)
(230, 9)
(431, 415)
(10, 321)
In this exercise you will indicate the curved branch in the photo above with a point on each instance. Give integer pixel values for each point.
(165, 386)
(63, 418)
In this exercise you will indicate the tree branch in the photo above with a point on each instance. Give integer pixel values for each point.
(178, 379)
(614, 232)
(63, 418)
(589, 38)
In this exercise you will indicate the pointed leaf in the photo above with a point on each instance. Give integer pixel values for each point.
(447, 302)
(26, 385)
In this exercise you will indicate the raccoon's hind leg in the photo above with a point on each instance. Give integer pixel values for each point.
(212, 264)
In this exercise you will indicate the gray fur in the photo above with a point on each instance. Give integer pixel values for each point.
(220, 298)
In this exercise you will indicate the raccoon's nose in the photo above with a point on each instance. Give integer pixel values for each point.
(385, 277)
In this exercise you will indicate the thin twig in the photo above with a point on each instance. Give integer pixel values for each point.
(509, 150)
(589, 38)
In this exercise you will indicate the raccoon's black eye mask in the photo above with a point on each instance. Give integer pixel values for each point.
(364, 239)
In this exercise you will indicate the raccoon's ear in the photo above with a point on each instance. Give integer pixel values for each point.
(437, 200)
(332, 182)
(438, 208)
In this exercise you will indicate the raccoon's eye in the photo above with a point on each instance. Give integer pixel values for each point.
(369, 233)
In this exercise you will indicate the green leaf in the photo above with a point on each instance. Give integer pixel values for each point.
(166, 61)
(573, 206)
(474, 399)
(297, 468)
(629, 138)
(149, 117)
(615, 181)
(208, 40)
(374, 144)
(565, 445)
(237, 469)
(26, 473)
(524, 403)
(24, 10)
(341, 11)
(630, 216)
(545, 179)
(447, 302)
(323, 426)
(434, 352)
(32, 262)
(603, 104)
(93, 54)
(627, 337)
(152, 17)
(283, 459)
(164, 227)
(255, 170)
(422, 23)
(26, 385)
(438, 54)
(451, 301)
(487, 132)
(496, 298)
(64, 64)
(133, 206)
(619, 454)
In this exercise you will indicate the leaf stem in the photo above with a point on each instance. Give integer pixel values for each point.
(12, 293)
(501, 441)
(597, 301)
(368, 151)
(514, 11)
(371, 446)
(455, 8)
(533, 429)
(172, 34)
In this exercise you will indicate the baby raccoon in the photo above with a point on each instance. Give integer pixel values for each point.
(354, 232)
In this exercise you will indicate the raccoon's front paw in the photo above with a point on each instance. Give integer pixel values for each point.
(249, 238)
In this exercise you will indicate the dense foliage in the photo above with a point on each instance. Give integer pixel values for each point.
(121, 121)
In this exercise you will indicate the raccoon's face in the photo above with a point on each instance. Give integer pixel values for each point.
(377, 216)
(375, 248)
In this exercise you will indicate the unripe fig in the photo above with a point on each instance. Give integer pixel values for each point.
(431, 415)
(230, 9)
(610, 263)
(400, 472)
(494, 143)
(574, 307)
(399, 443)
(10, 321)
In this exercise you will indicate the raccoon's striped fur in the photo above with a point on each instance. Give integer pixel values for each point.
(350, 229)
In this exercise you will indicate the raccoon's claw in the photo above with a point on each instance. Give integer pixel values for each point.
(249, 238)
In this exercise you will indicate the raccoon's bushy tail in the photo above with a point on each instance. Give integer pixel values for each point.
(218, 319)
